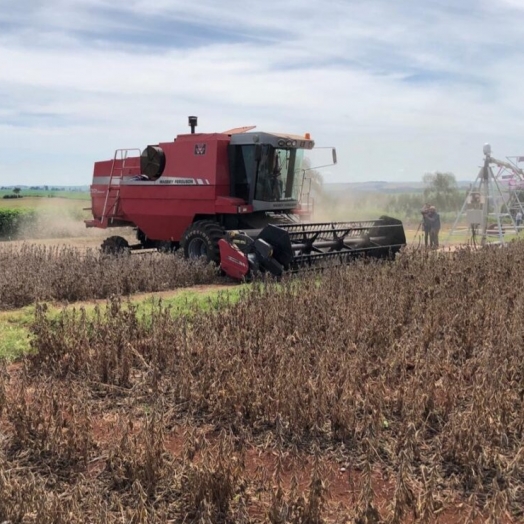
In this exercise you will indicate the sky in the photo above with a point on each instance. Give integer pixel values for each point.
(399, 88)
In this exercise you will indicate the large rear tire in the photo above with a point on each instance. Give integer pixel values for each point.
(115, 246)
(201, 241)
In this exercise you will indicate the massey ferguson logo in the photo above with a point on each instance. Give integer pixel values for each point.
(200, 149)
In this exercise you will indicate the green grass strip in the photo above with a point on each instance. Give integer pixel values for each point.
(15, 335)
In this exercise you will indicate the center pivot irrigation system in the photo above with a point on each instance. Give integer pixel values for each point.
(493, 200)
(241, 199)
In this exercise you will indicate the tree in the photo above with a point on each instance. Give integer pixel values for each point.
(405, 204)
(16, 190)
(441, 190)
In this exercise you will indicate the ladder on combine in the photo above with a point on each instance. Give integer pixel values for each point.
(115, 180)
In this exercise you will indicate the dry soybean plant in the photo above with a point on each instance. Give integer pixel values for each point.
(376, 393)
(34, 273)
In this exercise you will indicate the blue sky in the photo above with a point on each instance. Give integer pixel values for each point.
(400, 88)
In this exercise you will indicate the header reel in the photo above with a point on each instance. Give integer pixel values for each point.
(298, 247)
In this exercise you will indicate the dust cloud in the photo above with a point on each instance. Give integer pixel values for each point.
(54, 226)
(329, 207)
(58, 218)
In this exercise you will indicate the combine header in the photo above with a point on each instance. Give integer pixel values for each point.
(297, 247)
(240, 199)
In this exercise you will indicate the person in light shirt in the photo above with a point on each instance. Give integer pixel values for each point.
(518, 218)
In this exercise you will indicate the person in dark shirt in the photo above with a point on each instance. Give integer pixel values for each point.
(433, 221)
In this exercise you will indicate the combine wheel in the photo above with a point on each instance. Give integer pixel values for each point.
(201, 240)
(115, 246)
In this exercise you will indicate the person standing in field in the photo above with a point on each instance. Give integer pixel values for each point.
(433, 219)
(425, 223)
(518, 218)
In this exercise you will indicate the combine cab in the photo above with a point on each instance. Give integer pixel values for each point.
(240, 199)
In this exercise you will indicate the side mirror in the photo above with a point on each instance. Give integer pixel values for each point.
(334, 152)
(258, 152)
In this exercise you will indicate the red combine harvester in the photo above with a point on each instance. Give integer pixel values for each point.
(239, 198)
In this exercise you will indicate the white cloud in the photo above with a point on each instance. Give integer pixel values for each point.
(406, 84)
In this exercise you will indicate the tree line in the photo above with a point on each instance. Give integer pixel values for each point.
(440, 190)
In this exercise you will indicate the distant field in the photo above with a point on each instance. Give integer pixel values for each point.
(74, 195)
(35, 202)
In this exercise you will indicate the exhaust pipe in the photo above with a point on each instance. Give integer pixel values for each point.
(193, 122)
